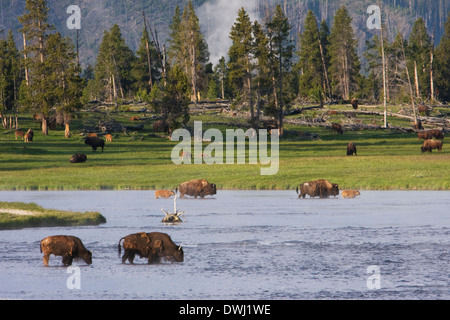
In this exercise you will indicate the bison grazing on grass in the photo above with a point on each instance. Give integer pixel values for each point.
(354, 103)
(319, 188)
(29, 135)
(78, 158)
(197, 188)
(436, 133)
(351, 149)
(337, 127)
(154, 246)
(69, 247)
(19, 133)
(161, 126)
(429, 145)
(95, 143)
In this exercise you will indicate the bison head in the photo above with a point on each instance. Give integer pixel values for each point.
(335, 190)
(87, 256)
(178, 255)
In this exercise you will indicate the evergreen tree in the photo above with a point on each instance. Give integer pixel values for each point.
(221, 72)
(240, 60)
(281, 51)
(443, 64)
(310, 59)
(188, 48)
(141, 72)
(114, 65)
(344, 62)
(418, 54)
(35, 28)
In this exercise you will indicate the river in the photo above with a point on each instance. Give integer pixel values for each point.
(242, 245)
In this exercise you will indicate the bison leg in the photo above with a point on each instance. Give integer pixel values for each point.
(67, 259)
(46, 258)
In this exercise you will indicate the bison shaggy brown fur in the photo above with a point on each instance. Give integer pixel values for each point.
(197, 188)
(162, 126)
(350, 194)
(319, 188)
(69, 247)
(337, 127)
(95, 143)
(429, 145)
(351, 149)
(154, 246)
(78, 158)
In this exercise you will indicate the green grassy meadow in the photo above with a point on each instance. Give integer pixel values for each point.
(386, 160)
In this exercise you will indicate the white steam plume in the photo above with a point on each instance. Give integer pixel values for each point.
(216, 19)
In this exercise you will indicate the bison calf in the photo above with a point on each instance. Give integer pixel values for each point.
(95, 143)
(350, 194)
(69, 247)
(164, 194)
(429, 145)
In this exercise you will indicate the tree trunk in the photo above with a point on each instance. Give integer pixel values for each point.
(25, 59)
(431, 68)
(44, 126)
(67, 130)
(416, 79)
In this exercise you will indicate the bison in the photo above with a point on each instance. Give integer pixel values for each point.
(95, 143)
(436, 133)
(350, 194)
(354, 103)
(19, 133)
(164, 193)
(154, 246)
(337, 127)
(351, 149)
(425, 135)
(78, 158)
(429, 145)
(197, 188)
(108, 137)
(29, 135)
(69, 247)
(161, 125)
(319, 188)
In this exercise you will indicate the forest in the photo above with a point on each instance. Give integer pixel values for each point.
(265, 73)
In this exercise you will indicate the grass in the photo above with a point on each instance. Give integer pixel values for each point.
(40, 217)
(386, 160)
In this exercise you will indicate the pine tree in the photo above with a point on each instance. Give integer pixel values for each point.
(141, 72)
(35, 28)
(281, 51)
(344, 62)
(418, 54)
(310, 58)
(114, 65)
(443, 64)
(240, 60)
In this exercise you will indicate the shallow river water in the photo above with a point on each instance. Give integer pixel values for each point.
(243, 245)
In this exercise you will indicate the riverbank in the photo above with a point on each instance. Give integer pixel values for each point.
(18, 215)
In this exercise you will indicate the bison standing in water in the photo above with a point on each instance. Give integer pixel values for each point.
(154, 246)
(197, 188)
(69, 247)
(319, 188)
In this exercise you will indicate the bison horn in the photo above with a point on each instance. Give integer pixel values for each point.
(179, 248)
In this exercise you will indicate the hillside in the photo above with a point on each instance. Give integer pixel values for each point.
(216, 18)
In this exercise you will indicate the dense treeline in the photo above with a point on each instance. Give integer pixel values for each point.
(263, 74)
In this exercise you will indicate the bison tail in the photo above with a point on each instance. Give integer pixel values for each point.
(296, 189)
(119, 247)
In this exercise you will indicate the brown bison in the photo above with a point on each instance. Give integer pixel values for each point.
(108, 137)
(424, 110)
(354, 103)
(154, 246)
(425, 135)
(436, 133)
(29, 135)
(337, 127)
(351, 149)
(69, 247)
(161, 125)
(164, 193)
(350, 194)
(197, 188)
(78, 158)
(95, 143)
(319, 188)
(19, 133)
(429, 145)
